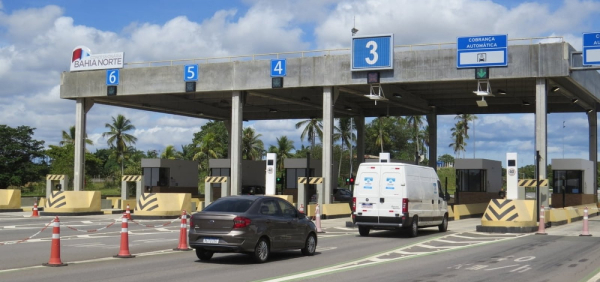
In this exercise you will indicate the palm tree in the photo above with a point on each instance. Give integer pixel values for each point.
(345, 133)
(208, 147)
(118, 138)
(383, 135)
(170, 153)
(416, 123)
(283, 150)
(464, 120)
(252, 147)
(69, 138)
(313, 128)
(458, 136)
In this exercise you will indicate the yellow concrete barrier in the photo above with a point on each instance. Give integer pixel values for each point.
(73, 202)
(572, 214)
(161, 205)
(557, 217)
(122, 204)
(10, 200)
(450, 213)
(514, 216)
(199, 204)
(468, 210)
(115, 201)
(329, 210)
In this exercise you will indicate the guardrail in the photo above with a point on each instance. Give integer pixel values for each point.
(326, 52)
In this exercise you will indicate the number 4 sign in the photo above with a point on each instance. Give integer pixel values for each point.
(278, 68)
(112, 77)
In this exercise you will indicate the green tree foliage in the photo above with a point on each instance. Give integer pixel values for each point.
(208, 147)
(446, 159)
(62, 161)
(389, 134)
(170, 153)
(460, 133)
(313, 129)
(283, 149)
(118, 138)
(69, 137)
(252, 147)
(220, 135)
(20, 156)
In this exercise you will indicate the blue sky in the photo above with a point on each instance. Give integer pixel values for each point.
(37, 37)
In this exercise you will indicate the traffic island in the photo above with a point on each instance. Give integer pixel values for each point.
(72, 203)
(509, 216)
(162, 205)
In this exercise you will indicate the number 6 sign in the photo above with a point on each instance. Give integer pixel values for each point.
(372, 52)
(112, 77)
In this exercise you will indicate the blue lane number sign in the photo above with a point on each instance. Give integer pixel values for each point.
(591, 48)
(190, 73)
(278, 68)
(482, 51)
(112, 77)
(374, 52)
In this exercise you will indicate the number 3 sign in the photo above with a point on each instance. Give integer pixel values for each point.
(372, 52)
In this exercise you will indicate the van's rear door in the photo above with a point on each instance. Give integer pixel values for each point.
(366, 191)
(390, 207)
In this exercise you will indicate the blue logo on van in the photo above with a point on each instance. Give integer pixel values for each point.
(390, 180)
(368, 180)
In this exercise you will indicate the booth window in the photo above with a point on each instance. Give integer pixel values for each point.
(471, 180)
(292, 174)
(156, 176)
(571, 180)
(219, 172)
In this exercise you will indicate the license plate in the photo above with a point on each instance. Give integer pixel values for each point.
(367, 206)
(210, 241)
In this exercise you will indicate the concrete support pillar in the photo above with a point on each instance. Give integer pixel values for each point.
(327, 161)
(82, 106)
(593, 128)
(432, 122)
(237, 110)
(360, 139)
(228, 127)
(541, 129)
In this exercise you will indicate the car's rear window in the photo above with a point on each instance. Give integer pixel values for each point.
(230, 205)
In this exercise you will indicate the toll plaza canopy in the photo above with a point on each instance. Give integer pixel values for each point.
(542, 75)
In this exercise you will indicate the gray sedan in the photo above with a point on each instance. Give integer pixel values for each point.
(249, 224)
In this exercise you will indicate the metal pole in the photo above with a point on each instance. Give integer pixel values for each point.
(474, 142)
(563, 139)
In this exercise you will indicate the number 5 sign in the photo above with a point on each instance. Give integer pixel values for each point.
(112, 77)
(372, 52)
(190, 73)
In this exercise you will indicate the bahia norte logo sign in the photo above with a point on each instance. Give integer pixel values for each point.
(83, 59)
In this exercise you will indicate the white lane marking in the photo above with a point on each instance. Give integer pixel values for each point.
(162, 229)
(479, 238)
(376, 259)
(87, 222)
(10, 227)
(458, 242)
(325, 249)
(346, 228)
(436, 247)
(595, 278)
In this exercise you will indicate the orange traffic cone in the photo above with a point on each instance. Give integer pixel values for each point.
(586, 231)
(35, 210)
(542, 224)
(128, 212)
(301, 209)
(124, 252)
(183, 246)
(55, 249)
(318, 219)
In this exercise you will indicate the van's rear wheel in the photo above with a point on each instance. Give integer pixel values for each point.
(413, 231)
(364, 231)
(444, 226)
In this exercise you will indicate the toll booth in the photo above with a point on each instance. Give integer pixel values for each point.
(170, 176)
(573, 182)
(253, 175)
(477, 180)
(56, 182)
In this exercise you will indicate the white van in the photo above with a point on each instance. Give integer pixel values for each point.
(396, 195)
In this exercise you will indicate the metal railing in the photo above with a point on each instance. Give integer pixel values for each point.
(327, 52)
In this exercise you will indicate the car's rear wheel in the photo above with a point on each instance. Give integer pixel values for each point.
(310, 246)
(413, 231)
(204, 254)
(261, 251)
(363, 231)
(444, 226)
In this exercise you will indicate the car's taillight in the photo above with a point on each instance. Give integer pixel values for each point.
(404, 205)
(353, 204)
(241, 222)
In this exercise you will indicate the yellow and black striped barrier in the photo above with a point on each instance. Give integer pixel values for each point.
(55, 177)
(56, 200)
(311, 180)
(147, 202)
(131, 178)
(509, 216)
(215, 179)
(532, 182)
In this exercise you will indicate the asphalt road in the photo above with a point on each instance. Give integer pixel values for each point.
(461, 254)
